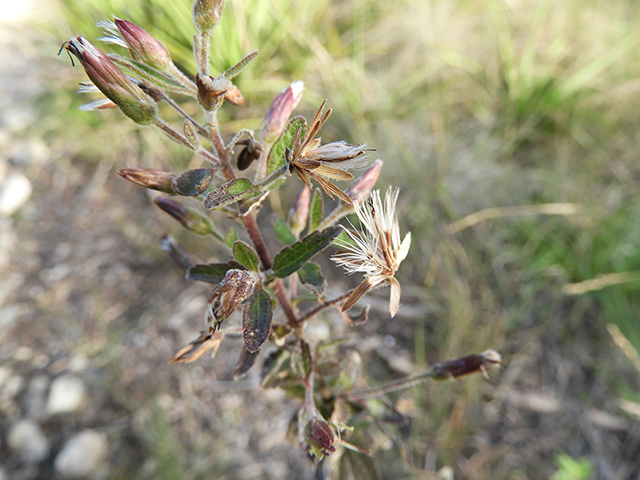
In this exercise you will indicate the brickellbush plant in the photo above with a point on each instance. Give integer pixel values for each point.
(262, 286)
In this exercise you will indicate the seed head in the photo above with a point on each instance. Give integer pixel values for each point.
(311, 160)
(376, 251)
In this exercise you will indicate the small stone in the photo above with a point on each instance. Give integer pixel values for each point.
(67, 394)
(14, 191)
(27, 440)
(82, 455)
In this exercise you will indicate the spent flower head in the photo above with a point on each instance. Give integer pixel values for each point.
(376, 251)
(311, 160)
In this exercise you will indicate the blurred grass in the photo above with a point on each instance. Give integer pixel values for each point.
(472, 105)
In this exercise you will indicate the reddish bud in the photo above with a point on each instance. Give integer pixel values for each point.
(459, 367)
(234, 95)
(207, 14)
(178, 253)
(143, 46)
(149, 178)
(189, 218)
(113, 83)
(361, 188)
(319, 435)
(280, 110)
(300, 210)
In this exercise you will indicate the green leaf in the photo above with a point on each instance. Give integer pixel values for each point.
(276, 154)
(241, 65)
(212, 272)
(315, 210)
(301, 361)
(293, 257)
(192, 182)
(231, 237)
(230, 192)
(312, 278)
(244, 254)
(256, 320)
(283, 232)
(245, 362)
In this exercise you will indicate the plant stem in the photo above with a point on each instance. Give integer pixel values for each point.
(178, 108)
(218, 144)
(326, 304)
(396, 385)
(173, 134)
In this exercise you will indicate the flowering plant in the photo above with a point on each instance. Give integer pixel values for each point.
(264, 287)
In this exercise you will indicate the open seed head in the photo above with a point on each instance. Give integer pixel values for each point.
(376, 251)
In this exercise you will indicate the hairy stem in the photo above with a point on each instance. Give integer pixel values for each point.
(396, 385)
(172, 133)
(178, 108)
(326, 304)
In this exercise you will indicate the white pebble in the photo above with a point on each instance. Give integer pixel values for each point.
(67, 394)
(27, 440)
(82, 455)
(14, 191)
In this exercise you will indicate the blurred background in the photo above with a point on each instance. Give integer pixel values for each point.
(511, 127)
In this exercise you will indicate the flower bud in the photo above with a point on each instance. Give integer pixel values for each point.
(207, 14)
(149, 178)
(113, 83)
(178, 253)
(319, 436)
(211, 90)
(458, 367)
(234, 95)
(280, 110)
(226, 297)
(143, 46)
(189, 218)
(361, 188)
(300, 210)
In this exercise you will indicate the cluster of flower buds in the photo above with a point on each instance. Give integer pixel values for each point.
(113, 83)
